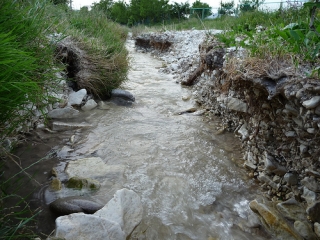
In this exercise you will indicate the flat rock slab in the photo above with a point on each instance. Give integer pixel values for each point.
(63, 126)
(67, 112)
(92, 167)
(80, 226)
(74, 204)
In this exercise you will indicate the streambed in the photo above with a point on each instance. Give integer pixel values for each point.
(187, 174)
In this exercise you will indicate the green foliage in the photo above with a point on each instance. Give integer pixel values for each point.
(103, 6)
(250, 5)
(179, 11)
(25, 57)
(104, 42)
(204, 12)
(226, 8)
(119, 12)
(288, 35)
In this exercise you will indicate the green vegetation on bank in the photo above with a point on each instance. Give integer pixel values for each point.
(27, 49)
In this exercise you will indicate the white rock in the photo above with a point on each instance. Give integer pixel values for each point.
(90, 104)
(80, 226)
(124, 208)
(92, 167)
(312, 103)
(243, 131)
(236, 104)
(317, 229)
(67, 112)
(75, 98)
(62, 126)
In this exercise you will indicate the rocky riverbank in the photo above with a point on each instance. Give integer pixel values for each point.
(275, 110)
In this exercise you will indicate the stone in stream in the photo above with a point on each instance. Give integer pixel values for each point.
(122, 94)
(75, 98)
(80, 183)
(80, 226)
(89, 105)
(74, 204)
(116, 220)
(67, 112)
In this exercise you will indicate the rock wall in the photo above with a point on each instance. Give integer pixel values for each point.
(275, 110)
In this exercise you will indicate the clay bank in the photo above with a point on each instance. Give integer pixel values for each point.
(274, 109)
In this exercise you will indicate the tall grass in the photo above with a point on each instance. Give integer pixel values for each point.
(25, 61)
(104, 43)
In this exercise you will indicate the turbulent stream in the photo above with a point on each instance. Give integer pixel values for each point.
(188, 176)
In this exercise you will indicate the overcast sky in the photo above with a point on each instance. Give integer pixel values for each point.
(77, 4)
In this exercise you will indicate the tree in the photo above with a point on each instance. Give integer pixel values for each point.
(179, 11)
(104, 6)
(250, 5)
(119, 12)
(199, 12)
(226, 8)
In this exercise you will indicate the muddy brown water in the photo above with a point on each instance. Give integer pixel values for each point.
(189, 177)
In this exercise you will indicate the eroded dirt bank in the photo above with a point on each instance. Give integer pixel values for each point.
(275, 110)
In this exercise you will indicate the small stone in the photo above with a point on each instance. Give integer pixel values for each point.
(290, 134)
(317, 229)
(309, 196)
(80, 183)
(305, 230)
(75, 98)
(90, 104)
(312, 103)
(311, 130)
(311, 183)
(56, 184)
(291, 179)
(292, 210)
(236, 104)
(303, 149)
(314, 212)
(54, 172)
(243, 131)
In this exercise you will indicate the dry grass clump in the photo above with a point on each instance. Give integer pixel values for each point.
(251, 68)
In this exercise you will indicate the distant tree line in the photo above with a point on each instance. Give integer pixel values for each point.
(147, 11)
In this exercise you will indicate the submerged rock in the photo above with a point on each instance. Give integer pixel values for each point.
(90, 104)
(68, 205)
(67, 112)
(80, 183)
(126, 95)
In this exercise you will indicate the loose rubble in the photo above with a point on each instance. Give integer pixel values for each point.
(275, 110)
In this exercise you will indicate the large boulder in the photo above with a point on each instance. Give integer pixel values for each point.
(116, 220)
(80, 226)
(124, 208)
